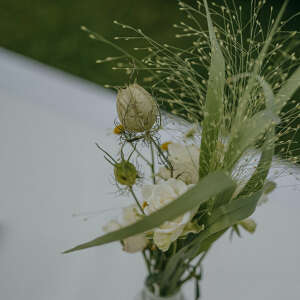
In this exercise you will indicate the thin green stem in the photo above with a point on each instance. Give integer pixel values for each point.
(148, 264)
(174, 247)
(141, 155)
(153, 162)
(136, 200)
(162, 155)
(192, 273)
(100, 148)
(201, 258)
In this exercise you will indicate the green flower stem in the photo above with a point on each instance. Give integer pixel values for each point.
(147, 261)
(193, 272)
(174, 281)
(153, 162)
(160, 261)
(174, 247)
(162, 155)
(141, 155)
(136, 200)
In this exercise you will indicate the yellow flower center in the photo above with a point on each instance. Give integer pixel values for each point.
(165, 146)
(145, 204)
(118, 129)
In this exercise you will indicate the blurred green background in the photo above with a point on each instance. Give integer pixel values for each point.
(49, 31)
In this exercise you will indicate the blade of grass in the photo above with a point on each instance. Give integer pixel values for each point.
(257, 180)
(213, 110)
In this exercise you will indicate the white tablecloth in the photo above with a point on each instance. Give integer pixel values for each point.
(50, 169)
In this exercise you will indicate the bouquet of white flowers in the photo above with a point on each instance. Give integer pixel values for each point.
(231, 84)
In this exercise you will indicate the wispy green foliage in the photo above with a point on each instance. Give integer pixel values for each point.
(258, 63)
(287, 90)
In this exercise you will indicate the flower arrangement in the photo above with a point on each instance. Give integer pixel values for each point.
(232, 85)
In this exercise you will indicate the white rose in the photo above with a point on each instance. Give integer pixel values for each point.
(185, 162)
(134, 243)
(159, 195)
(136, 108)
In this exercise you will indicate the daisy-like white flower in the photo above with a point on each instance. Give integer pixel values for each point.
(185, 162)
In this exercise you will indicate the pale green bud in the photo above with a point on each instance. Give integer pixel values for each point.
(125, 173)
(136, 108)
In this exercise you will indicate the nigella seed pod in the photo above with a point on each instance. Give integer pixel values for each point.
(136, 108)
(125, 173)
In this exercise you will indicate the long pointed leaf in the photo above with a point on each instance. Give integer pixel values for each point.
(213, 110)
(235, 211)
(221, 219)
(208, 187)
(256, 182)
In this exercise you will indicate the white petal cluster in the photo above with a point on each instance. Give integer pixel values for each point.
(136, 108)
(159, 195)
(185, 161)
(130, 215)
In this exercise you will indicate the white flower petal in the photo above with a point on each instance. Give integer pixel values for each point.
(162, 194)
(185, 161)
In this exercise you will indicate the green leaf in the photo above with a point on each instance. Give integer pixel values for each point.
(269, 187)
(208, 187)
(221, 219)
(213, 110)
(182, 255)
(224, 198)
(287, 90)
(237, 210)
(206, 244)
(257, 180)
(248, 134)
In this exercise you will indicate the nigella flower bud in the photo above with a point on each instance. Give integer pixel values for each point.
(125, 173)
(136, 108)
